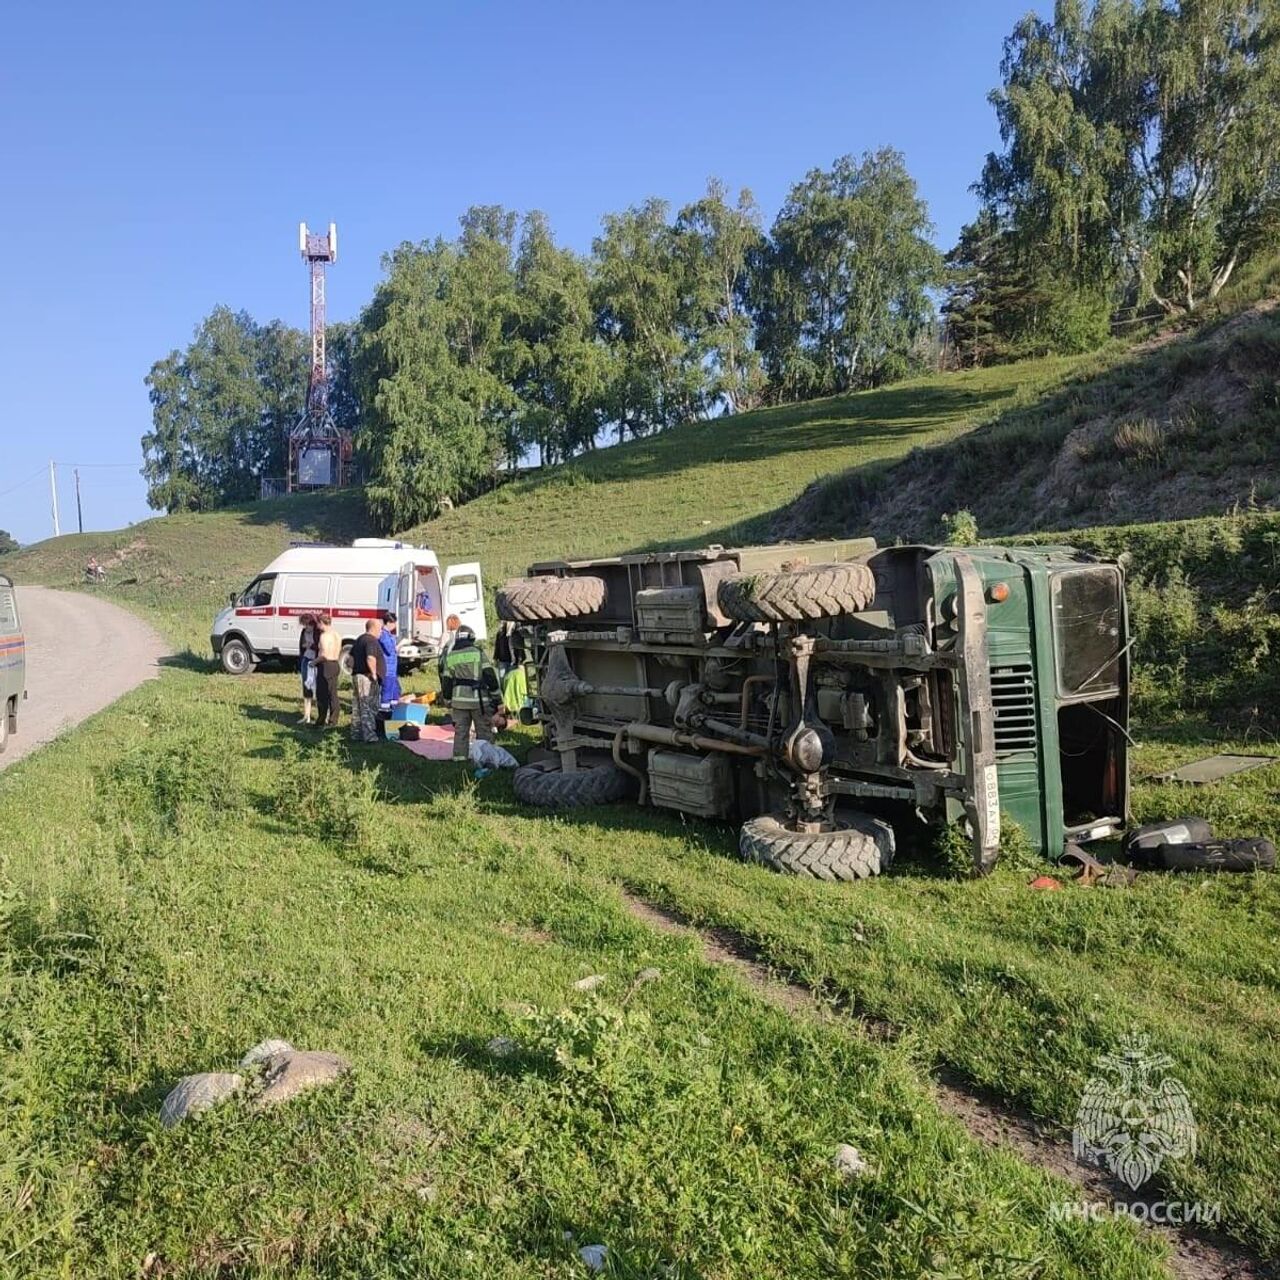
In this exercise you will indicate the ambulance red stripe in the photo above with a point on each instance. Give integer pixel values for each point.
(297, 611)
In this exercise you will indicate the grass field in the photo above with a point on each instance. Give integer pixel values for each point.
(186, 903)
(212, 878)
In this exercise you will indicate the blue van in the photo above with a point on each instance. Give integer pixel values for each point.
(13, 661)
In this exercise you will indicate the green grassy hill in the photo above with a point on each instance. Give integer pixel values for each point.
(1182, 426)
(720, 481)
(716, 481)
(177, 569)
(1177, 427)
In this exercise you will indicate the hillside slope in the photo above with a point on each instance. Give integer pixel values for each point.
(176, 568)
(1183, 426)
(719, 481)
(703, 482)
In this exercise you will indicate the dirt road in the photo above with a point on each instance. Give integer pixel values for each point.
(82, 654)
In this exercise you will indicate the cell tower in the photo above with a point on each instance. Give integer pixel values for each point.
(319, 453)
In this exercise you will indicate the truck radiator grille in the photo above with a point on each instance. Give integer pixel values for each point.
(1013, 695)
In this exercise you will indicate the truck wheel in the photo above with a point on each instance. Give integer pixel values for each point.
(547, 598)
(345, 662)
(816, 591)
(861, 846)
(236, 658)
(4, 727)
(555, 789)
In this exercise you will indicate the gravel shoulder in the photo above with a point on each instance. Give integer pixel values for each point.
(82, 654)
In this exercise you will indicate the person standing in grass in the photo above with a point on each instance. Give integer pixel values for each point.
(366, 659)
(467, 678)
(391, 660)
(308, 652)
(328, 652)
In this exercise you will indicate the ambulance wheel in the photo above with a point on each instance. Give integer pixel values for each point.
(345, 663)
(859, 847)
(4, 726)
(236, 658)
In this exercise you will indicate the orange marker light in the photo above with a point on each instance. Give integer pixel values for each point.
(453, 622)
(998, 592)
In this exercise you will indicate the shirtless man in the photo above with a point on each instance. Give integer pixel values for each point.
(328, 651)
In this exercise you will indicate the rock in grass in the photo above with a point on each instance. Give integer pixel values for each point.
(285, 1075)
(848, 1162)
(594, 1255)
(197, 1093)
(648, 975)
(589, 983)
(501, 1047)
(263, 1050)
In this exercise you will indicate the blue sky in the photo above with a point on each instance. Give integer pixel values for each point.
(158, 158)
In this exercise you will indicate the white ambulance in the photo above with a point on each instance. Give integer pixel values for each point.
(351, 584)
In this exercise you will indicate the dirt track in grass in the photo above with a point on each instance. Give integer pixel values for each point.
(1193, 1254)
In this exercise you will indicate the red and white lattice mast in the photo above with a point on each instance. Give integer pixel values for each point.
(319, 453)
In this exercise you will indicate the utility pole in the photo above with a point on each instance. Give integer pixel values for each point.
(79, 510)
(53, 494)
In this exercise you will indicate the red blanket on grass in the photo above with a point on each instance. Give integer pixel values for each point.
(436, 742)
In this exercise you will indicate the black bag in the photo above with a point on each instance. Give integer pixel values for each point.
(410, 733)
(1140, 845)
(1254, 854)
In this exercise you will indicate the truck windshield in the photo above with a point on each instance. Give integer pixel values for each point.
(1087, 622)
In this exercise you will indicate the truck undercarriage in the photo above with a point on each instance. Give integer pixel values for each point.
(813, 691)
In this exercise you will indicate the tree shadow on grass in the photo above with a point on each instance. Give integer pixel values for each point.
(512, 1062)
(189, 660)
(287, 715)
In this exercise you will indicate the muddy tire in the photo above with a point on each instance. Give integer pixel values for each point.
(545, 599)
(861, 847)
(555, 789)
(816, 591)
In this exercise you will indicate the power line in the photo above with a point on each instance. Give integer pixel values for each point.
(90, 466)
(36, 474)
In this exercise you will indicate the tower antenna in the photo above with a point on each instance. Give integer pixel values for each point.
(319, 453)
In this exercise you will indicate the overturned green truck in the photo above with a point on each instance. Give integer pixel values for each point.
(828, 696)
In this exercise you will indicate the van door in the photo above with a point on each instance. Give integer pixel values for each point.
(404, 601)
(464, 598)
(298, 594)
(420, 598)
(255, 613)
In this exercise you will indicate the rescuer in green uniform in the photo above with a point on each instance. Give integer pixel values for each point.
(469, 684)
